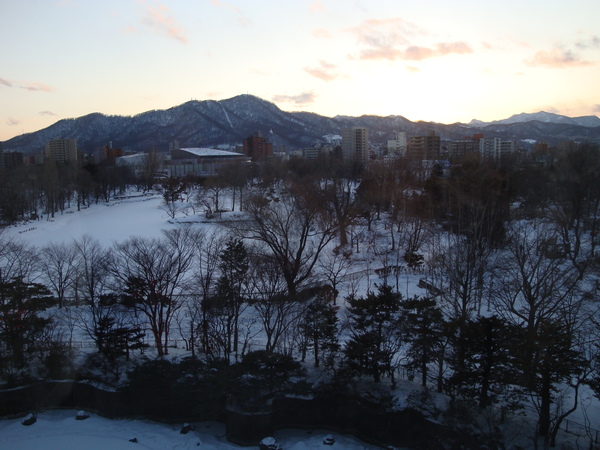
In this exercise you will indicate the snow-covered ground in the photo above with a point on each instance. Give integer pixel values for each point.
(144, 216)
(59, 430)
(107, 222)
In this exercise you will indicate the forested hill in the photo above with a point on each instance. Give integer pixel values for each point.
(211, 123)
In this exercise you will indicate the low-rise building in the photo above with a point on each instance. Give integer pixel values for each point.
(200, 161)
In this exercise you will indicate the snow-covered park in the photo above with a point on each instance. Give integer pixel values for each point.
(136, 215)
(145, 216)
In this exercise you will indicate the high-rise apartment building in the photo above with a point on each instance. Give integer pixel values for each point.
(62, 151)
(355, 144)
(397, 146)
(496, 148)
(460, 148)
(424, 147)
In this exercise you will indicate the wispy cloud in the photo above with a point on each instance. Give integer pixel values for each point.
(302, 99)
(242, 19)
(260, 72)
(418, 53)
(35, 86)
(325, 71)
(47, 113)
(596, 108)
(159, 19)
(383, 37)
(28, 85)
(316, 6)
(556, 58)
(12, 121)
(394, 39)
(593, 42)
(322, 33)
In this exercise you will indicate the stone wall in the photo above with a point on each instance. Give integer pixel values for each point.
(342, 415)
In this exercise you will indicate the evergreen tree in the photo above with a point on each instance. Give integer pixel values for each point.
(320, 329)
(489, 365)
(423, 328)
(20, 322)
(374, 333)
(229, 300)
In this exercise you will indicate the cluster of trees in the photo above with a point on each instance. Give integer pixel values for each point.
(509, 254)
(34, 192)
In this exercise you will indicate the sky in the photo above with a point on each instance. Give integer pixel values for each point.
(434, 60)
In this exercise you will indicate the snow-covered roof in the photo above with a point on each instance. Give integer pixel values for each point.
(207, 152)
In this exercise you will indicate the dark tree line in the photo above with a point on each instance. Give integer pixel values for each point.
(35, 192)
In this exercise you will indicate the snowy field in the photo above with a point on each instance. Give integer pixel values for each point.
(107, 222)
(58, 430)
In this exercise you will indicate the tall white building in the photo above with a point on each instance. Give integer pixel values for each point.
(496, 148)
(398, 145)
(355, 144)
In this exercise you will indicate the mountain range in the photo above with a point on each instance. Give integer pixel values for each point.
(227, 122)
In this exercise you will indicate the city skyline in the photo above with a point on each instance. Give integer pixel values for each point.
(435, 61)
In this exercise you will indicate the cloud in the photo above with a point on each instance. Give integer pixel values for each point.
(393, 39)
(412, 69)
(596, 108)
(241, 18)
(593, 42)
(415, 53)
(457, 48)
(299, 100)
(322, 33)
(35, 86)
(47, 113)
(324, 72)
(28, 85)
(12, 121)
(418, 53)
(316, 6)
(261, 72)
(381, 37)
(556, 58)
(159, 19)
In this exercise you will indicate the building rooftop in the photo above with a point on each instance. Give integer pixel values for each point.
(208, 152)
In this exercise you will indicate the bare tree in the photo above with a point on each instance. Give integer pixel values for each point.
(540, 292)
(17, 260)
(151, 166)
(58, 264)
(292, 226)
(575, 206)
(276, 309)
(154, 276)
(92, 261)
(207, 248)
(335, 266)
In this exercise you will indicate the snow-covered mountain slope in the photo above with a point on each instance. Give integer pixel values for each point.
(227, 122)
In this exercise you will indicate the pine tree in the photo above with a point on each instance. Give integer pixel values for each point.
(374, 333)
(229, 300)
(20, 322)
(423, 328)
(320, 329)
